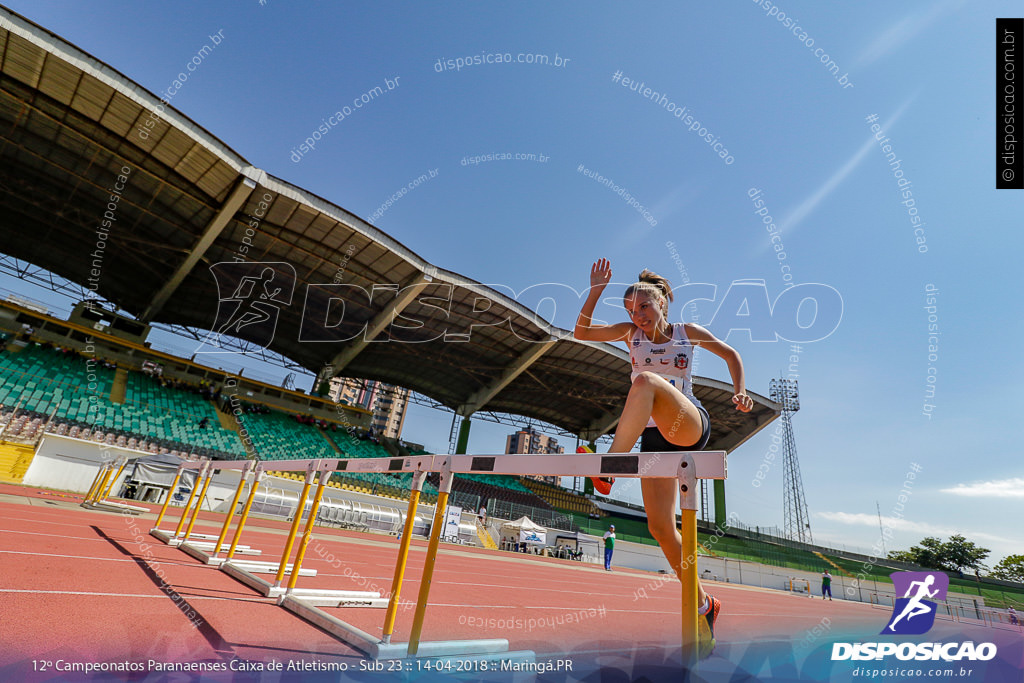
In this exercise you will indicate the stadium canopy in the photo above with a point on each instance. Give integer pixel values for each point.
(77, 132)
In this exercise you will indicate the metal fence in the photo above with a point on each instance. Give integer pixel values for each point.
(466, 501)
(547, 518)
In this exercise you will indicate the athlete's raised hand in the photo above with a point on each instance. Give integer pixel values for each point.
(600, 273)
(743, 403)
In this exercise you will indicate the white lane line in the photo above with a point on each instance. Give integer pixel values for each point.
(102, 559)
(41, 521)
(65, 536)
(162, 596)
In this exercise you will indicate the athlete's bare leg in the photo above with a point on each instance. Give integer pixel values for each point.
(652, 396)
(661, 504)
(680, 423)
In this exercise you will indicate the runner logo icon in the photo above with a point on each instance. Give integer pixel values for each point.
(914, 614)
(250, 298)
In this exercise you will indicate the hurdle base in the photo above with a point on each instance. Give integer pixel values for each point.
(201, 551)
(111, 506)
(494, 649)
(258, 567)
(242, 571)
(321, 600)
(199, 541)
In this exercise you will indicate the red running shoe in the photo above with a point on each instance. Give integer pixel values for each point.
(706, 644)
(602, 485)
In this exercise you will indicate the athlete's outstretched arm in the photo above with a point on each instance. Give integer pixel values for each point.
(703, 338)
(600, 276)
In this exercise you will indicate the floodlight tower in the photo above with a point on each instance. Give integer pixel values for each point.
(794, 503)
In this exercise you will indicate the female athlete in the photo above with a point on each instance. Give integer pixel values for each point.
(660, 409)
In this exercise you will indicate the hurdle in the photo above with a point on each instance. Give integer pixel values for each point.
(174, 539)
(245, 571)
(100, 473)
(195, 544)
(96, 498)
(685, 467)
(206, 548)
(170, 494)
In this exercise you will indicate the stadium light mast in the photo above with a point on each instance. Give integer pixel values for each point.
(797, 521)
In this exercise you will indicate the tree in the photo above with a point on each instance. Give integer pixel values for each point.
(1010, 568)
(959, 553)
(929, 553)
(955, 554)
(902, 556)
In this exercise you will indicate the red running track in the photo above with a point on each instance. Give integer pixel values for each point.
(86, 586)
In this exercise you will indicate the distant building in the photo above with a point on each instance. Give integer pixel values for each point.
(530, 441)
(388, 402)
(389, 412)
(353, 392)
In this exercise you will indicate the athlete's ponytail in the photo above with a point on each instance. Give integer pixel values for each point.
(653, 285)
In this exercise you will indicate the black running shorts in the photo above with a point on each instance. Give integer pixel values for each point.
(652, 441)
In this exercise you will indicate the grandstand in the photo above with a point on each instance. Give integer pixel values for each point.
(277, 436)
(51, 384)
(191, 194)
(71, 393)
(562, 499)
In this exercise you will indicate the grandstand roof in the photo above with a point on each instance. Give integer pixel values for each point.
(72, 123)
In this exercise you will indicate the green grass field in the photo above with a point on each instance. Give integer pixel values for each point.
(781, 556)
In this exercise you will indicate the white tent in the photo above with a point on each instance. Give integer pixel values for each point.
(528, 531)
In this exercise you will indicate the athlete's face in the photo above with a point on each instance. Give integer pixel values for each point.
(645, 312)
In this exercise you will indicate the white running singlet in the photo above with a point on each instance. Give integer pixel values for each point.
(670, 360)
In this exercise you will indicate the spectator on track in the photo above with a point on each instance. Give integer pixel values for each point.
(609, 547)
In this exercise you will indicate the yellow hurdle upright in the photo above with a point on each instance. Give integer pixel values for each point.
(296, 518)
(245, 512)
(688, 560)
(308, 534)
(170, 493)
(231, 509)
(403, 555)
(113, 481)
(103, 484)
(95, 482)
(184, 512)
(199, 503)
(444, 489)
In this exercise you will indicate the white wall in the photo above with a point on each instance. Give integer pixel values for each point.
(71, 464)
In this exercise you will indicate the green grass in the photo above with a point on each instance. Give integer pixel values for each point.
(994, 597)
(781, 556)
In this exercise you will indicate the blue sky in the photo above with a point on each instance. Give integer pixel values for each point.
(794, 130)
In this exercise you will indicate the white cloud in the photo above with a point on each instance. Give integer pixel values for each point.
(903, 31)
(809, 205)
(897, 524)
(1007, 488)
